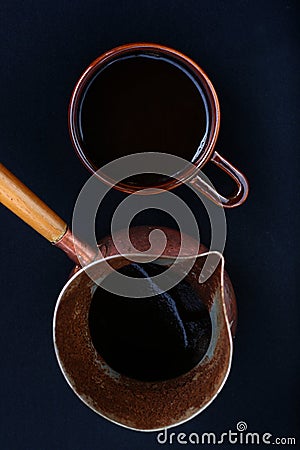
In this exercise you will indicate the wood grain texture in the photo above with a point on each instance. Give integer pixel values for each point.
(26, 205)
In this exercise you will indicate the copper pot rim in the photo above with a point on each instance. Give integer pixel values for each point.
(228, 334)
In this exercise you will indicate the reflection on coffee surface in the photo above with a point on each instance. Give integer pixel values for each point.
(153, 338)
(142, 103)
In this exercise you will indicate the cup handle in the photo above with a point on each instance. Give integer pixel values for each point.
(240, 194)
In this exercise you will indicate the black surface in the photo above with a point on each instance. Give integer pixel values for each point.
(249, 49)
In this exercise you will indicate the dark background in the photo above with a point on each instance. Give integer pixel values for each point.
(249, 49)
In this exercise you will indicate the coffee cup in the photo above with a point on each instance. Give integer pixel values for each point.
(145, 97)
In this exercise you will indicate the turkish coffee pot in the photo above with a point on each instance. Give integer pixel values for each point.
(139, 405)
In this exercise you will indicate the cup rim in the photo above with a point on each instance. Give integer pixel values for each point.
(185, 61)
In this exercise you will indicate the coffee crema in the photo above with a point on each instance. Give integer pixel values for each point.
(142, 103)
(150, 339)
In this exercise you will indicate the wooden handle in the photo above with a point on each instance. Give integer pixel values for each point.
(26, 205)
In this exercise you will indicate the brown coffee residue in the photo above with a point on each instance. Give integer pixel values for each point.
(133, 403)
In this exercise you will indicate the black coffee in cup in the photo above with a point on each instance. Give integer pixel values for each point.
(142, 103)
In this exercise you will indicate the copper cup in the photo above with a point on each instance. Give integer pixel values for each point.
(207, 153)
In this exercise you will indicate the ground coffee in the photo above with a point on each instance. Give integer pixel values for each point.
(153, 338)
